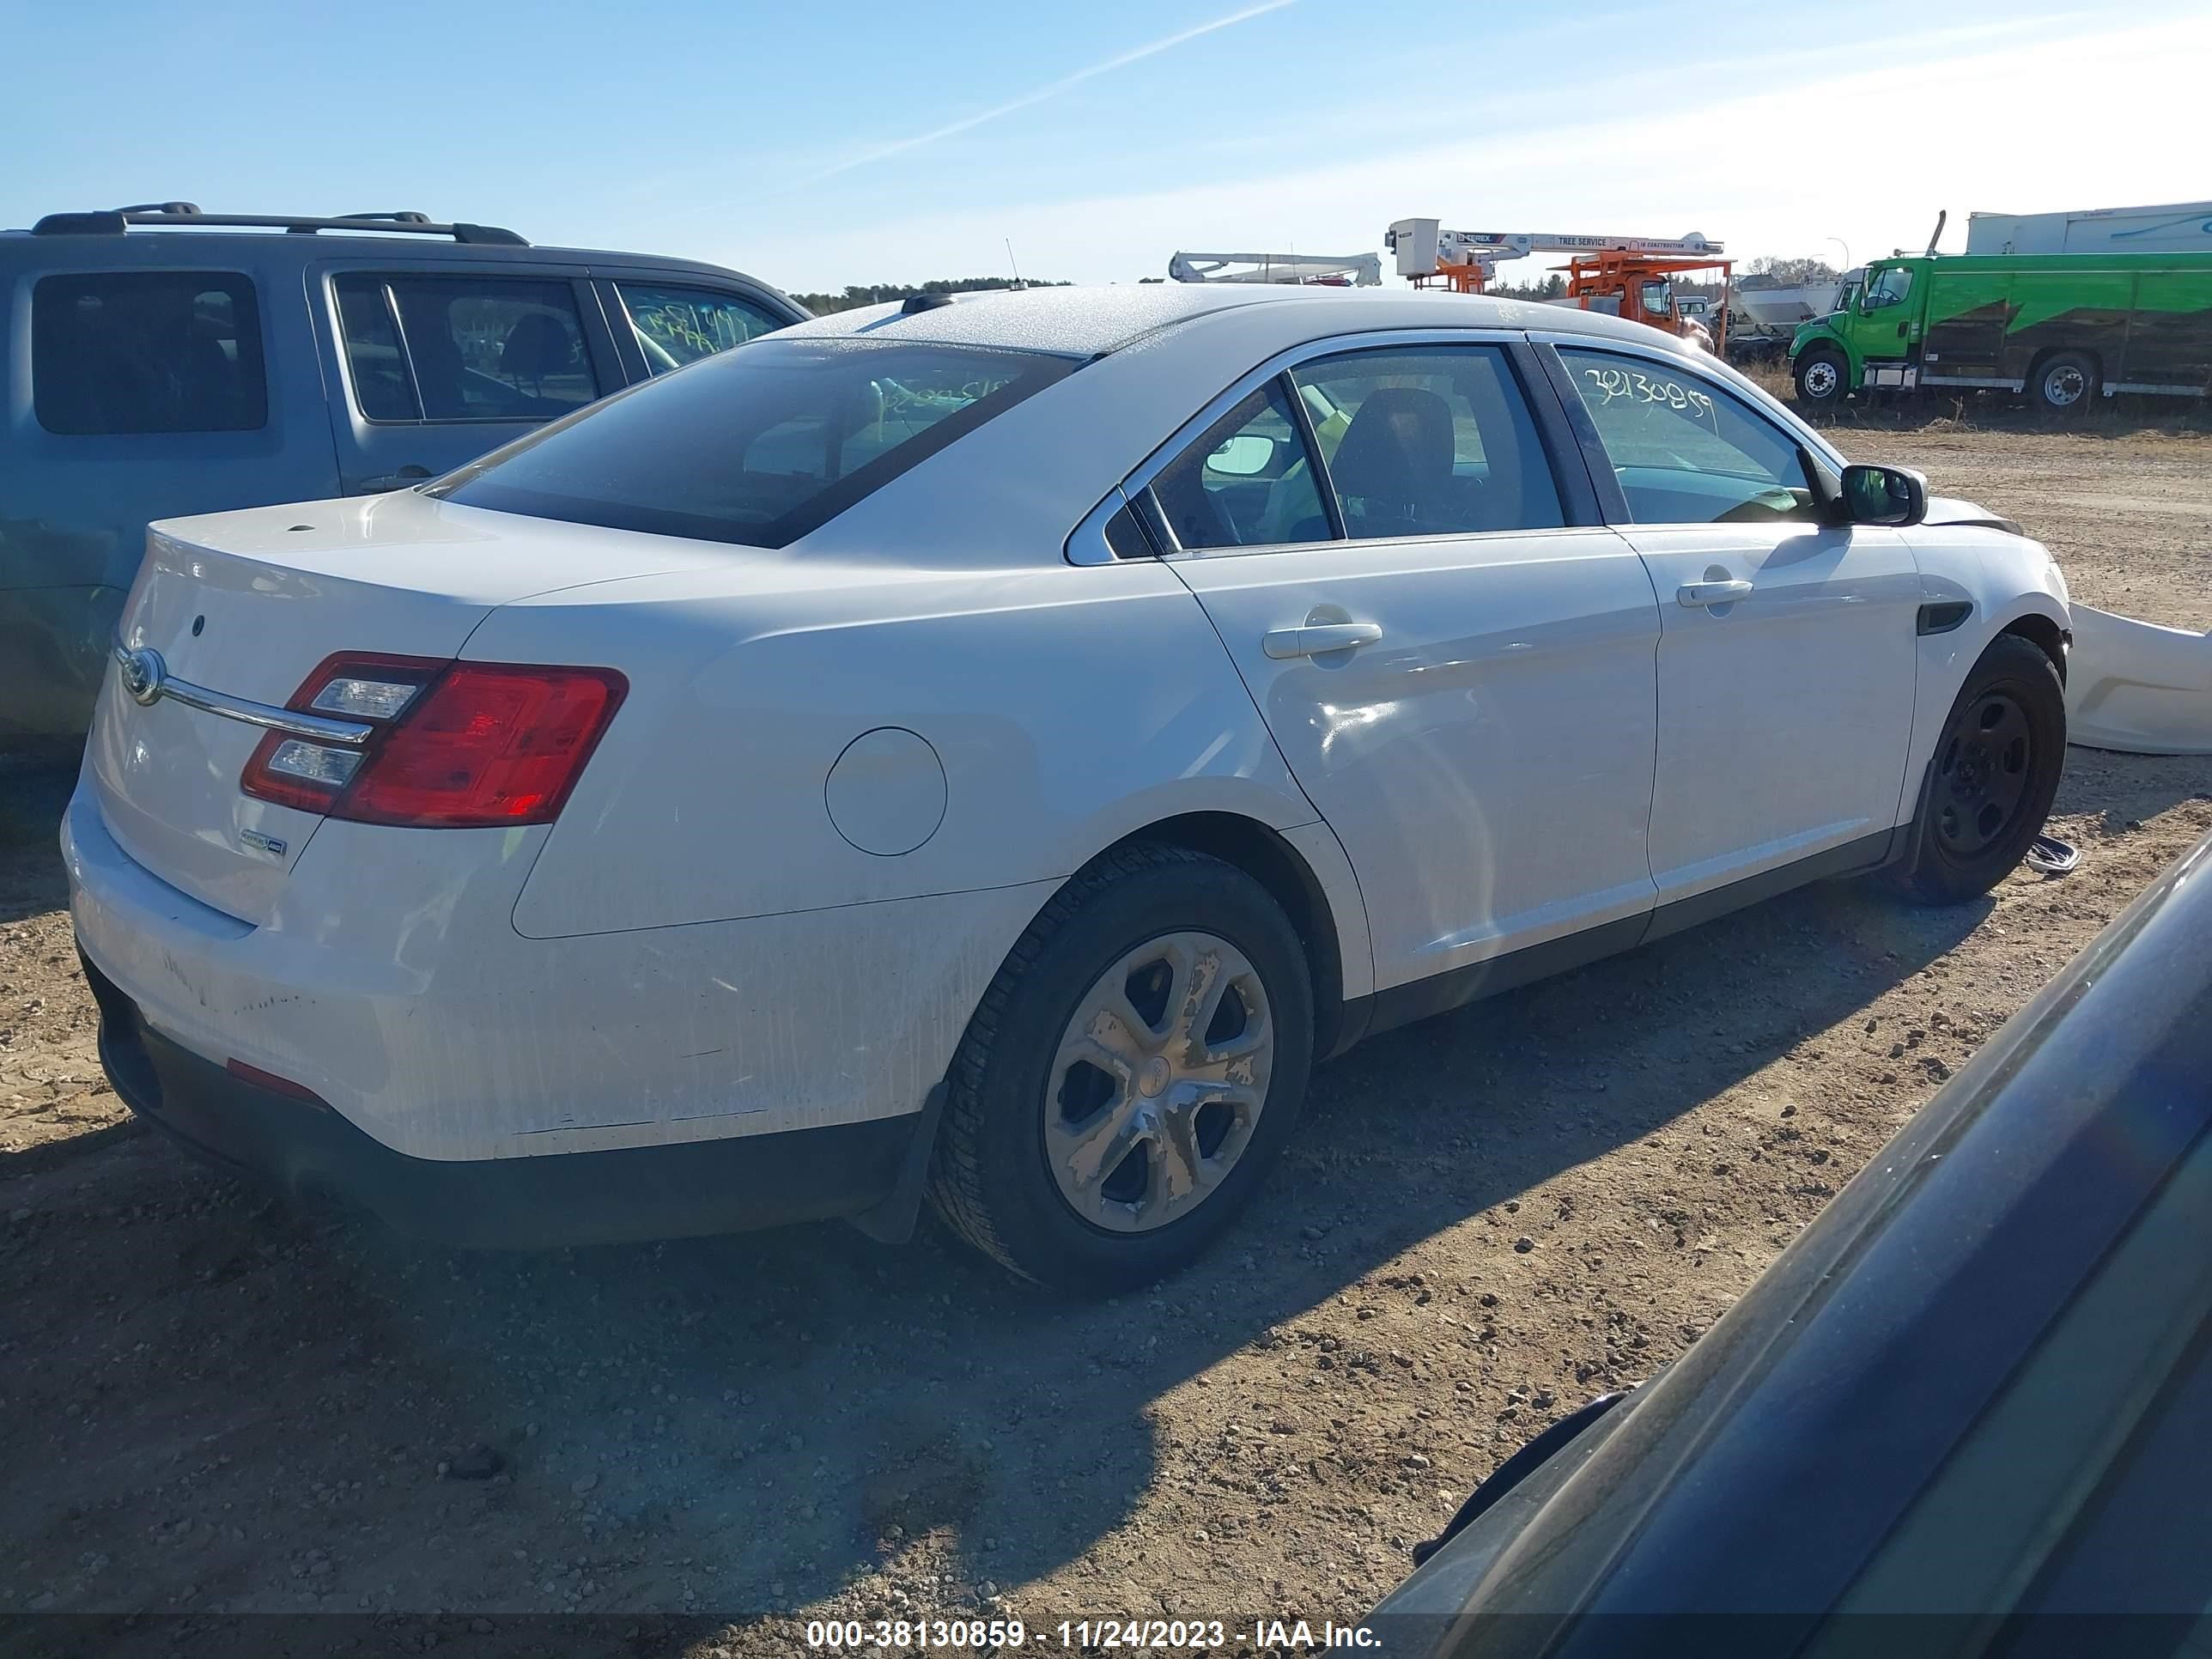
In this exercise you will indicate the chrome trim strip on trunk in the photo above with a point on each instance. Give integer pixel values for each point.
(146, 680)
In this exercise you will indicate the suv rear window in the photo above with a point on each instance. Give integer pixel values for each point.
(147, 351)
(756, 447)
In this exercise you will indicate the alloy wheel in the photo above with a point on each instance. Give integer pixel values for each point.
(1158, 1082)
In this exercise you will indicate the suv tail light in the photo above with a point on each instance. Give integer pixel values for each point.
(454, 745)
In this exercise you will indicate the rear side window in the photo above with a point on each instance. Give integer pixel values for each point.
(1246, 481)
(1428, 442)
(757, 447)
(679, 326)
(463, 347)
(147, 351)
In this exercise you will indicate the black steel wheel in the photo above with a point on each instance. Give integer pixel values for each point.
(1982, 774)
(1993, 776)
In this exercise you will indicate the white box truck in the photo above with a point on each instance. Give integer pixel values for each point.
(2176, 227)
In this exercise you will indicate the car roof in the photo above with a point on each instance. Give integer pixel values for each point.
(1089, 321)
(150, 247)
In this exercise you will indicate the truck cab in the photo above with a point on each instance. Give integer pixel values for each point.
(1867, 339)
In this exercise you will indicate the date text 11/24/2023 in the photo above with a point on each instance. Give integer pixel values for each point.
(1069, 1635)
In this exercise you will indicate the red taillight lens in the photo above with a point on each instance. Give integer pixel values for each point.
(476, 744)
(487, 743)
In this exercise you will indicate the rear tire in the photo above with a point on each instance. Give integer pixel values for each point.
(1142, 1054)
(1992, 778)
(1822, 378)
(2064, 383)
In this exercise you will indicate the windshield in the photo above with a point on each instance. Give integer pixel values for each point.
(757, 446)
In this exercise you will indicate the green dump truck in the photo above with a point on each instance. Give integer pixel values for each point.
(2063, 328)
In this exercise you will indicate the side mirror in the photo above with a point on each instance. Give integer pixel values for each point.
(1246, 455)
(1895, 496)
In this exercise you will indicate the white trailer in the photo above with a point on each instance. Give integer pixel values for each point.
(2176, 227)
(1315, 270)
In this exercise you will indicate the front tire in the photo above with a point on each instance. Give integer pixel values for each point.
(1822, 378)
(1134, 1067)
(1993, 776)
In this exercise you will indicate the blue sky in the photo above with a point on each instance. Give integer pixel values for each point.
(866, 141)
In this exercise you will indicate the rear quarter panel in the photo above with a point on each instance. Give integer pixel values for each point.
(1066, 706)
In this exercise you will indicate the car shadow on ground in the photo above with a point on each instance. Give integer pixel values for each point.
(748, 1425)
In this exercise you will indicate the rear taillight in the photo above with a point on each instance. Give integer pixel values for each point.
(453, 745)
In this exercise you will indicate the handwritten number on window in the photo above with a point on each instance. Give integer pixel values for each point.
(1610, 383)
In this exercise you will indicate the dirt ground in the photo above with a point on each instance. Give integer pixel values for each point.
(212, 1406)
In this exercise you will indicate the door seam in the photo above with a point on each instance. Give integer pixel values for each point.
(1320, 818)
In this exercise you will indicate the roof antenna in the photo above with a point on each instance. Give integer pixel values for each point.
(1942, 215)
(1010, 260)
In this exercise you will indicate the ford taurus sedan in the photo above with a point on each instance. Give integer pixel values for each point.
(991, 750)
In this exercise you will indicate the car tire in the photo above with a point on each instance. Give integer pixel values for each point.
(1992, 778)
(1822, 377)
(2064, 383)
(1032, 1128)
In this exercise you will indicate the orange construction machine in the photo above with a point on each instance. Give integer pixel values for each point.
(1631, 277)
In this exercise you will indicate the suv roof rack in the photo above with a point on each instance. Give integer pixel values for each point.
(113, 221)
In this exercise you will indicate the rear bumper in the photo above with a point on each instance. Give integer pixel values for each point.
(387, 977)
(309, 1153)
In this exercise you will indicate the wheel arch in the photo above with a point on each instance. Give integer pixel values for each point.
(2046, 635)
(2012, 605)
(1270, 858)
(1827, 345)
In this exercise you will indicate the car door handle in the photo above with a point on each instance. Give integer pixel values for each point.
(1699, 594)
(1312, 641)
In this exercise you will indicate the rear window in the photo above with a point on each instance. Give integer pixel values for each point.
(756, 447)
(147, 351)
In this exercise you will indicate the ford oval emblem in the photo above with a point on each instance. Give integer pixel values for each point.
(143, 671)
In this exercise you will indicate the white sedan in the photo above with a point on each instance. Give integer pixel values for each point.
(991, 750)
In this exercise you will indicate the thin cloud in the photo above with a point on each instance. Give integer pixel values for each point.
(1051, 89)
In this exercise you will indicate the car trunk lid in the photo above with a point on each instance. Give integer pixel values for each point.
(246, 605)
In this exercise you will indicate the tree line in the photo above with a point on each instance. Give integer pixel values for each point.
(875, 293)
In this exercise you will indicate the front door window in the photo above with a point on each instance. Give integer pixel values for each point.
(1686, 451)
